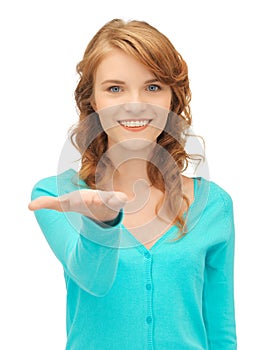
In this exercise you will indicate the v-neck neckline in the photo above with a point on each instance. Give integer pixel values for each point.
(141, 247)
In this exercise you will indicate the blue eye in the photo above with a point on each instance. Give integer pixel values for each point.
(153, 88)
(115, 89)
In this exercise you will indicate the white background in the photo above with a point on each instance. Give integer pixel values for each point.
(224, 44)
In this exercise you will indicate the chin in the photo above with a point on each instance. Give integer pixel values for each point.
(135, 145)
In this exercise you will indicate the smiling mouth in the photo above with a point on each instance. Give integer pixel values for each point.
(134, 124)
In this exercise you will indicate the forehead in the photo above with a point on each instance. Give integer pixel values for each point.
(119, 65)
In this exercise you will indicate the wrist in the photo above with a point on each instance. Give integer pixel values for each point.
(109, 223)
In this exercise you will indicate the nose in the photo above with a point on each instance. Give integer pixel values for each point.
(135, 107)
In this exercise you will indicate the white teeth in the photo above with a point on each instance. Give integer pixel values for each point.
(134, 123)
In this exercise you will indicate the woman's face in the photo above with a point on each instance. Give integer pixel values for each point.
(132, 104)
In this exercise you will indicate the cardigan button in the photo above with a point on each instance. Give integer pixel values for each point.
(148, 319)
(147, 255)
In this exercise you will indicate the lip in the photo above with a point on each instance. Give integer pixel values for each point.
(134, 128)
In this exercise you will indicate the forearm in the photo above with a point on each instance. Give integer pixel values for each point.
(87, 251)
(95, 257)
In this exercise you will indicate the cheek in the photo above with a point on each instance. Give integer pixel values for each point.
(169, 100)
(93, 102)
(102, 101)
(161, 112)
(165, 100)
(99, 99)
(107, 117)
(96, 102)
(106, 122)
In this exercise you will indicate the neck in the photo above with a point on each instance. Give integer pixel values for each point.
(131, 177)
(130, 165)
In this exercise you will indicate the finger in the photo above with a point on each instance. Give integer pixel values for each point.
(45, 202)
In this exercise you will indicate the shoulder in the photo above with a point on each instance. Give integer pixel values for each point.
(219, 195)
(213, 210)
(212, 199)
(217, 203)
(57, 185)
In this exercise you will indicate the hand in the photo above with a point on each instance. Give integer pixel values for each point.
(98, 205)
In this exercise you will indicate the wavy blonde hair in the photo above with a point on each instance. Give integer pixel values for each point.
(156, 52)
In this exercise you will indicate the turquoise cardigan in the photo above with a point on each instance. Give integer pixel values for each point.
(122, 296)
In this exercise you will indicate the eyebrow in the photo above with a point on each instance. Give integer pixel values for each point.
(115, 81)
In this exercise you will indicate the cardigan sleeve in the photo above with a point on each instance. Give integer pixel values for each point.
(88, 251)
(218, 294)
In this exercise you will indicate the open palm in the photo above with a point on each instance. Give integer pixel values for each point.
(98, 205)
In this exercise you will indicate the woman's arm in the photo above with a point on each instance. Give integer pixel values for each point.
(218, 295)
(88, 251)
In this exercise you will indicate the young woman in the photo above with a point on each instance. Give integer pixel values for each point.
(147, 252)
